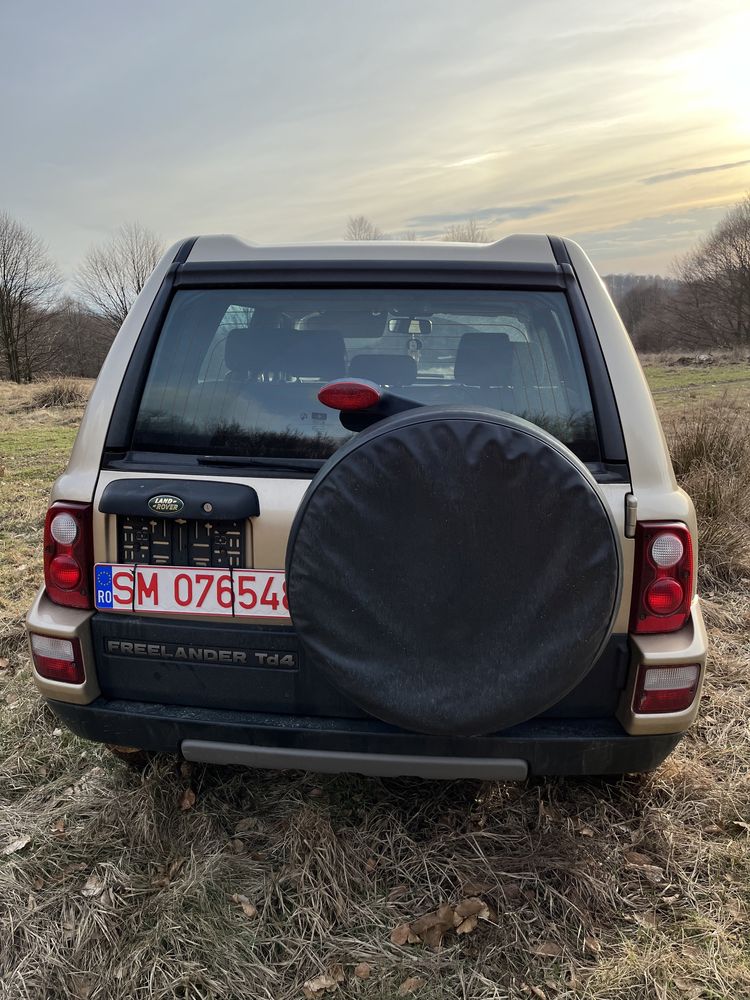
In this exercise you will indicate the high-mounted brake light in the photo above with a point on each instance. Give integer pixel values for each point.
(662, 578)
(350, 394)
(57, 659)
(68, 562)
(665, 689)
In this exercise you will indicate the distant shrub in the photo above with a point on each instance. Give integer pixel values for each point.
(59, 392)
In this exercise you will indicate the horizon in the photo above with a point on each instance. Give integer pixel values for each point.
(631, 137)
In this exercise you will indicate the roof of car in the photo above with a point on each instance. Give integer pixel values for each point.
(528, 249)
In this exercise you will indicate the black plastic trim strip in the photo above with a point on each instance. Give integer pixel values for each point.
(371, 274)
(606, 414)
(184, 251)
(173, 463)
(372, 764)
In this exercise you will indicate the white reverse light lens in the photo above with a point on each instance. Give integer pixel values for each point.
(55, 649)
(670, 678)
(64, 529)
(666, 550)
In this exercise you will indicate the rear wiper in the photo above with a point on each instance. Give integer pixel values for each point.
(284, 464)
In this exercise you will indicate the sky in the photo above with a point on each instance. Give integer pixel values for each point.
(623, 125)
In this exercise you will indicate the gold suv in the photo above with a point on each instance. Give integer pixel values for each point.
(393, 508)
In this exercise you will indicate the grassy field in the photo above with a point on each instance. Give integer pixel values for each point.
(196, 883)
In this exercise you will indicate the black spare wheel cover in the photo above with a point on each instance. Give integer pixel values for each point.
(453, 571)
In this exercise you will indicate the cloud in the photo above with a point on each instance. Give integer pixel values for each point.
(493, 214)
(673, 175)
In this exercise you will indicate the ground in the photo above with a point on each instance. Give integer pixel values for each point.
(223, 883)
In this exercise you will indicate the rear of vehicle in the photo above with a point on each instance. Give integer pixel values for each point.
(484, 567)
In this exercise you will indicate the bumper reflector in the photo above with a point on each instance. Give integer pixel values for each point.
(665, 689)
(58, 659)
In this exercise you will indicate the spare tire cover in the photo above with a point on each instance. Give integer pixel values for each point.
(453, 571)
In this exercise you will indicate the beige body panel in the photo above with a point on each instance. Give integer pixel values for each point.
(652, 478)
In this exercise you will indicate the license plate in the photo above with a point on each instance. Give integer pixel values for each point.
(187, 590)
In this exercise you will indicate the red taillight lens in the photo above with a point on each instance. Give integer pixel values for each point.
(663, 597)
(68, 562)
(665, 689)
(57, 659)
(65, 572)
(662, 578)
(350, 394)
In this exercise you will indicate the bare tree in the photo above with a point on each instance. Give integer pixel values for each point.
(359, 227)
(466, 232)
(28, 279)
(113, 273)
(83, 338)
(714, 304)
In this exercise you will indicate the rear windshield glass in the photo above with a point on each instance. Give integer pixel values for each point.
(238, 371)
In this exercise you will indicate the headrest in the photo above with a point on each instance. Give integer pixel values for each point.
(385, 369)
(483, 359)
(250, 350)
(315, 354)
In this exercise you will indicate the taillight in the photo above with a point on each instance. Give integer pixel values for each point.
(662, 578)
(57, 659)
(68, 562)
(665, 689)
(350, 394)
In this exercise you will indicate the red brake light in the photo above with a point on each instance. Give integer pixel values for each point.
(68, 562)
(662, 577)
(663, 597)
(665, 689)
(65, 572)
(57, 659)
(350, 394)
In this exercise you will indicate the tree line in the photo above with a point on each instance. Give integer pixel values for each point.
(44, 329)
(47, 330)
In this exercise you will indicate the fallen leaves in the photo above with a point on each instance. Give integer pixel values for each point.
(326, 982)
(591, 945)
(431, 928)
(644, 864)
(402, 934)
(248, 908)
(15, 845)
(363, 970)
(4, 662)
(93, 886)
(165, 873)
(410, 985)
(187, 800)
(547, 949)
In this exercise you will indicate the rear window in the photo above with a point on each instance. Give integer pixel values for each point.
(237, 371)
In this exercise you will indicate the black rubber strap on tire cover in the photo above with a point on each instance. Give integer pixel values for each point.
(454, 571)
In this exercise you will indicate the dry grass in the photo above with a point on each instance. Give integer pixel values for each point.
(633, 890)
(62, 392)
(710, 449)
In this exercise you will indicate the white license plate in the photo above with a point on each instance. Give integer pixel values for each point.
(188, 590)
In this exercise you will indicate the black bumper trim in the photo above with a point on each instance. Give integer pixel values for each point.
(549, 746)
(335, 761)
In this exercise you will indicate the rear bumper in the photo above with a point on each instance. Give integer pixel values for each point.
(539, 747)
